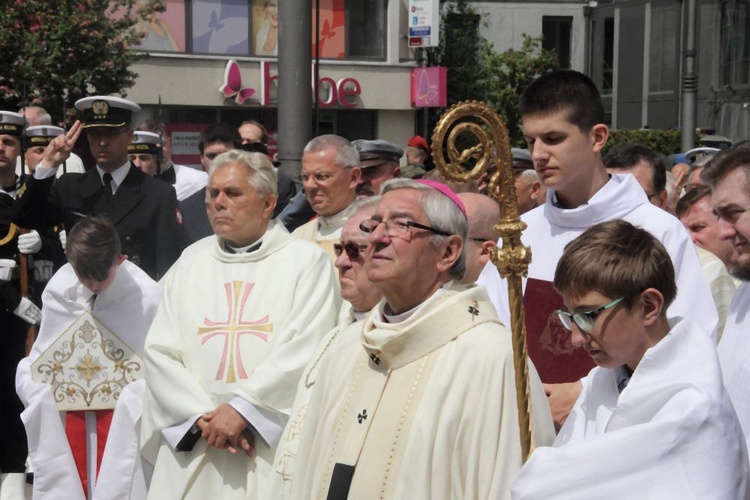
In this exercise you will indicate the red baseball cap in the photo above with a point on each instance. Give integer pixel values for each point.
(418, 142)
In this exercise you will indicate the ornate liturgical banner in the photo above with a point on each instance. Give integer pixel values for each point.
(87, 366)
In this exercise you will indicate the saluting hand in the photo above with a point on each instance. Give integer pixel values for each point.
(61, 146)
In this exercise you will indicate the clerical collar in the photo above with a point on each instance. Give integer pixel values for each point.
(335, 221)
(247, 249)
(117, 176)
(388, 317)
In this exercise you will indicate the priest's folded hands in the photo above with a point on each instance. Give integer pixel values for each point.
(225, 428)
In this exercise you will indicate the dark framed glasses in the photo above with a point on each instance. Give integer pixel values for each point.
(353, 250)
(584, 320)
(397, 227)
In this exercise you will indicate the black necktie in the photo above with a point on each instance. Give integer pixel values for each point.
(107, 180)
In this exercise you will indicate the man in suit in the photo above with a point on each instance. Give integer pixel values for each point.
(143, 209)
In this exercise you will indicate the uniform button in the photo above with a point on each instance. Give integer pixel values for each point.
(127, 238)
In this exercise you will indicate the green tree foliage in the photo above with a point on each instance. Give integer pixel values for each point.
(665, 142)
(462, 50)
(476, 72)
(509, 73)
(55, 52)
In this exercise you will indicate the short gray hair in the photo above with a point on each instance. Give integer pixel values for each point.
(346, 154)
(442, 213)
(264, 180)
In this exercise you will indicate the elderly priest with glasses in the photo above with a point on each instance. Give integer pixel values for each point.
(418, 399)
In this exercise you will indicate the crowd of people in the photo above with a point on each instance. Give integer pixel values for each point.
(173, 332)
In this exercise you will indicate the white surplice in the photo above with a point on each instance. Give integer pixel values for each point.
(231, 326)
(670, 434)
(423, 408)
(734, 355)
(550, 228)
(127, 308)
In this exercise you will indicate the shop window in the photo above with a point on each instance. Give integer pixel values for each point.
(250, 27)
(735, 43)
(663, 57)
(556, 31)
(221, 27)
(368, 40)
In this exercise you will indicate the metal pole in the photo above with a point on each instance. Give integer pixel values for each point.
(316, 73)
(689, 82)
(295, 76)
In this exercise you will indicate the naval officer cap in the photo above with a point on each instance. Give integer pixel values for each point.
(106, 111)
(11, 123)
(42, 135)
(145, 143)
(375, 153)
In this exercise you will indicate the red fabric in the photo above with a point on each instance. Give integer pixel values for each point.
(548, 341)
(75, 430)
(103, 421)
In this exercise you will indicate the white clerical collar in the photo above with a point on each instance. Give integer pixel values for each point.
(334, 221)
(394, 319)
(117, 176)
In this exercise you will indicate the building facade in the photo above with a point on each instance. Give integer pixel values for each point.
(216, 60)
(635, 52)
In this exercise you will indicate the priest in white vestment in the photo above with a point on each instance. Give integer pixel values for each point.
(654, 419)
(125, 302)
(360, 296)
(728, 175)
(330, 173)
(243, 312)
(418, 399)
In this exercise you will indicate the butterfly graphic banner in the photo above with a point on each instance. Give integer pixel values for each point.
(428, 87)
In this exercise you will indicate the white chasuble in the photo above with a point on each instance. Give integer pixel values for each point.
(670, 434)
(324, 231)
(428, 410)
(127, 308)
(231, 325)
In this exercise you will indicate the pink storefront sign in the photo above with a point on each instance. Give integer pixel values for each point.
(428, 87)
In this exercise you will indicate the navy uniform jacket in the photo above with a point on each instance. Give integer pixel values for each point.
(144, 210)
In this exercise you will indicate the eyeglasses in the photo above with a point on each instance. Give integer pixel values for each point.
(397, 227)
(319, 177)
(584, 320)
(353, 250)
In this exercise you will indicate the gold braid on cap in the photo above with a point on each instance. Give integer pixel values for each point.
(482, 134)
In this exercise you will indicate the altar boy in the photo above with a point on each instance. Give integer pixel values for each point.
(654, 419)
(89, 454)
